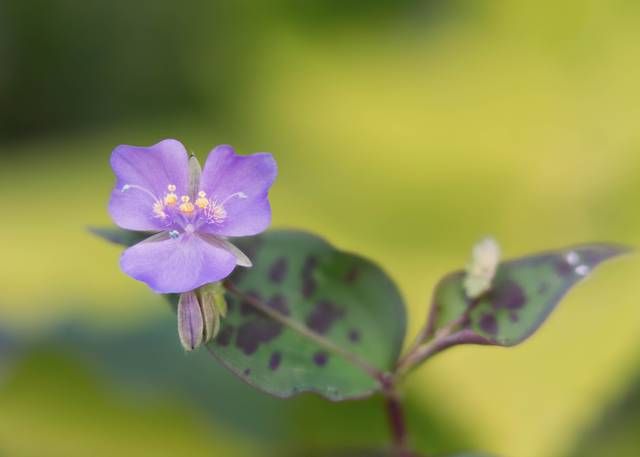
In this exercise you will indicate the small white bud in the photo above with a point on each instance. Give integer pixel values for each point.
(481, 270)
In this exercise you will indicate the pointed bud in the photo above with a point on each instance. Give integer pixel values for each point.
(194, 176)
(215, 293)
(481, 270)
(211, 318)
(190, 322)
(213, 305)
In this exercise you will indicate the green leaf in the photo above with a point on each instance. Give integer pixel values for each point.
(119, 236)
(523, 294)
(342, 297)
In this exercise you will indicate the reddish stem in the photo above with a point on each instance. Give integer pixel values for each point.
(396, 419)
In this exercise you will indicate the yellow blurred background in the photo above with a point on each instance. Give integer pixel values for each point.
(404, 131)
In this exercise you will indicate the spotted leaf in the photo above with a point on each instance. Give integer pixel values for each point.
(342, 297)
(523, 294)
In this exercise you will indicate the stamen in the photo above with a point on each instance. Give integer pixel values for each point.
(215, 213)
(237, 194)
(158, 210)
(170, 199)
(127, 187)
(186, 207)
(202, 202)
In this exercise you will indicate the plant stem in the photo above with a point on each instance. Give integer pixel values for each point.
(393, 404)
(420, 354)
(422, 349)
(397, 426)
(303, 330)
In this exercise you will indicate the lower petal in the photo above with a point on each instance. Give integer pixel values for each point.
(178, 265)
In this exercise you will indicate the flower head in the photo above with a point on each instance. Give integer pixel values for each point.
(191, 210)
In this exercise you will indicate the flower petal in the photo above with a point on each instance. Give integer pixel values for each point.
(247, 177)
(151, 168)
(170, 265)
(241, 258)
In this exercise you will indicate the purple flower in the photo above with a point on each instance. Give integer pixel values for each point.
(160, 189)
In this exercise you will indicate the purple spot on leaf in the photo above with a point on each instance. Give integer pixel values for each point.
(278, 270)
(225, 335)
(354, 335)
(275, 360)
(308, 282)
(320, 358)
(260, 329)
(323, 316)
(594, 256)
(352, 275)
(508, 295)
(246, 307)
(308, 287)
(513, 317)
(247, 371)
(310, 264)
(488, 324)
(564, 268)
(279, 303)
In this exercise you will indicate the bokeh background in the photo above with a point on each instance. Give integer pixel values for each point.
(404, 130)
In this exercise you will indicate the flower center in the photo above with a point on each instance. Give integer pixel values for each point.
(181, 212)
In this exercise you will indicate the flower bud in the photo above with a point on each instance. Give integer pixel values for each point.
(190, 322)
(213, 305)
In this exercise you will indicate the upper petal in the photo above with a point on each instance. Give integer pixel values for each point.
(179, 265)
(226, 174)
(151, 168)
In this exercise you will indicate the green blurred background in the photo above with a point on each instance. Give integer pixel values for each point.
(404, 130)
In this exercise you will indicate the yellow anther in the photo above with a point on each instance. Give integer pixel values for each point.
(170, 199)
(171, 187)
(187, 208)
(202, 193)
(202, 202)
(185, 198)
